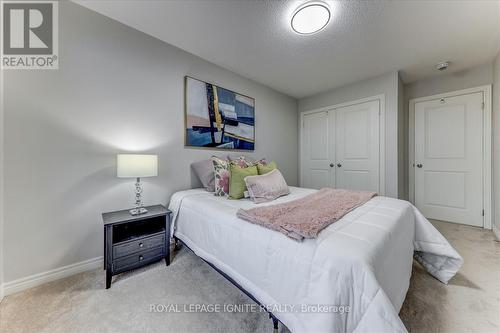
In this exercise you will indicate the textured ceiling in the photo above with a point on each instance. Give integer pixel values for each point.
(363, 39)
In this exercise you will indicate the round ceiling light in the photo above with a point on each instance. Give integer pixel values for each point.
(311, 17)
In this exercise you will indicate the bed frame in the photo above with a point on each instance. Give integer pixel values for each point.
(275, 320)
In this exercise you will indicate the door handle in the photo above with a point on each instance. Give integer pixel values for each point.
(332, 165)
(339, 165)
(419, 165)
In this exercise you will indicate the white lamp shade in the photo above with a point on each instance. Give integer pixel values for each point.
(136, 166)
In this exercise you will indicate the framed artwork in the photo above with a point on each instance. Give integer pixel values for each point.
(218, 118)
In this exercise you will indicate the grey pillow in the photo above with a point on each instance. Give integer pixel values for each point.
(205, 172)
(267, 187)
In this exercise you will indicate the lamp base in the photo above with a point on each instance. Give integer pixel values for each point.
(138, 211)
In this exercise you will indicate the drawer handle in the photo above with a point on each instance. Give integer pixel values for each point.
(141, 245)
(141, 258)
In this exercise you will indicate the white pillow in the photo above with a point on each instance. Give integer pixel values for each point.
(267, 187)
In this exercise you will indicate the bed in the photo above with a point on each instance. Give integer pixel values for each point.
(352, 278)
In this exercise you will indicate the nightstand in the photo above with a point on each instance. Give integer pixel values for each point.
(134, 241)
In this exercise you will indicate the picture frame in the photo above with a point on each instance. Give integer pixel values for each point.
(217, 118)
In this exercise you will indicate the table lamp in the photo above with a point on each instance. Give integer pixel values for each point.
(137, 166)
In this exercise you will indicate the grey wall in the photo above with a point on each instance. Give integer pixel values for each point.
(496, 143)
(473, 77)
(117, 90)
(1, 181)
(384, 84)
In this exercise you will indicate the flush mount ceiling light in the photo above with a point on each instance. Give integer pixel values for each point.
(310, 17)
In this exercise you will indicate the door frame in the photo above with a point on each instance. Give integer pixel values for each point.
(487, 187)
(382, 134)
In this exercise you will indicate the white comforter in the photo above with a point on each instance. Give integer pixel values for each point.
(362, 261)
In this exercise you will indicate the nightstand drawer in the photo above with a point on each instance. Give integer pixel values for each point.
(138, 259)
(127, 248)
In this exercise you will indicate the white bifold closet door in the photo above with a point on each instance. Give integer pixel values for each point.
(341, 148)
(316, 152)
(357, 147)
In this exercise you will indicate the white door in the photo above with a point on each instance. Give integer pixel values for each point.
(340, 148)
(316, 152)
(448, 159)
(357, 147)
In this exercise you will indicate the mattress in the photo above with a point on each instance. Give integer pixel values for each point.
(353, 277)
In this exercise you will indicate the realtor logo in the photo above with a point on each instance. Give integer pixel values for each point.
(29, 35)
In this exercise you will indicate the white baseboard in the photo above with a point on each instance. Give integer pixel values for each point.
(496, 231)
(52, 275)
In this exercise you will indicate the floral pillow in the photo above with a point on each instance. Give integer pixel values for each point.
(261, 162)
(221, 172)
(240, 161)
(243, 162)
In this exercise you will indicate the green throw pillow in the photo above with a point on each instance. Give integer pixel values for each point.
(237, 186)
(263, 169)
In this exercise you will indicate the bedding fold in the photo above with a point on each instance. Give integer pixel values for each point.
(308, 216)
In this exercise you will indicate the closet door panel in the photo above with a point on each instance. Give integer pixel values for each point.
(332, 147)
(357, 147)
(316, 150)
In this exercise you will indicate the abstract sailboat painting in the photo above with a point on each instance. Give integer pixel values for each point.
(218, 118)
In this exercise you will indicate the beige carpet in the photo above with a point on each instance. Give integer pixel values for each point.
(470, 303)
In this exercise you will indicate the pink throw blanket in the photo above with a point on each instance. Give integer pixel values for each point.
(306, 217)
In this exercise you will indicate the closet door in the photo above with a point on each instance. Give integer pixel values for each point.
(357, 161)
(448, 158)
(316, 150)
